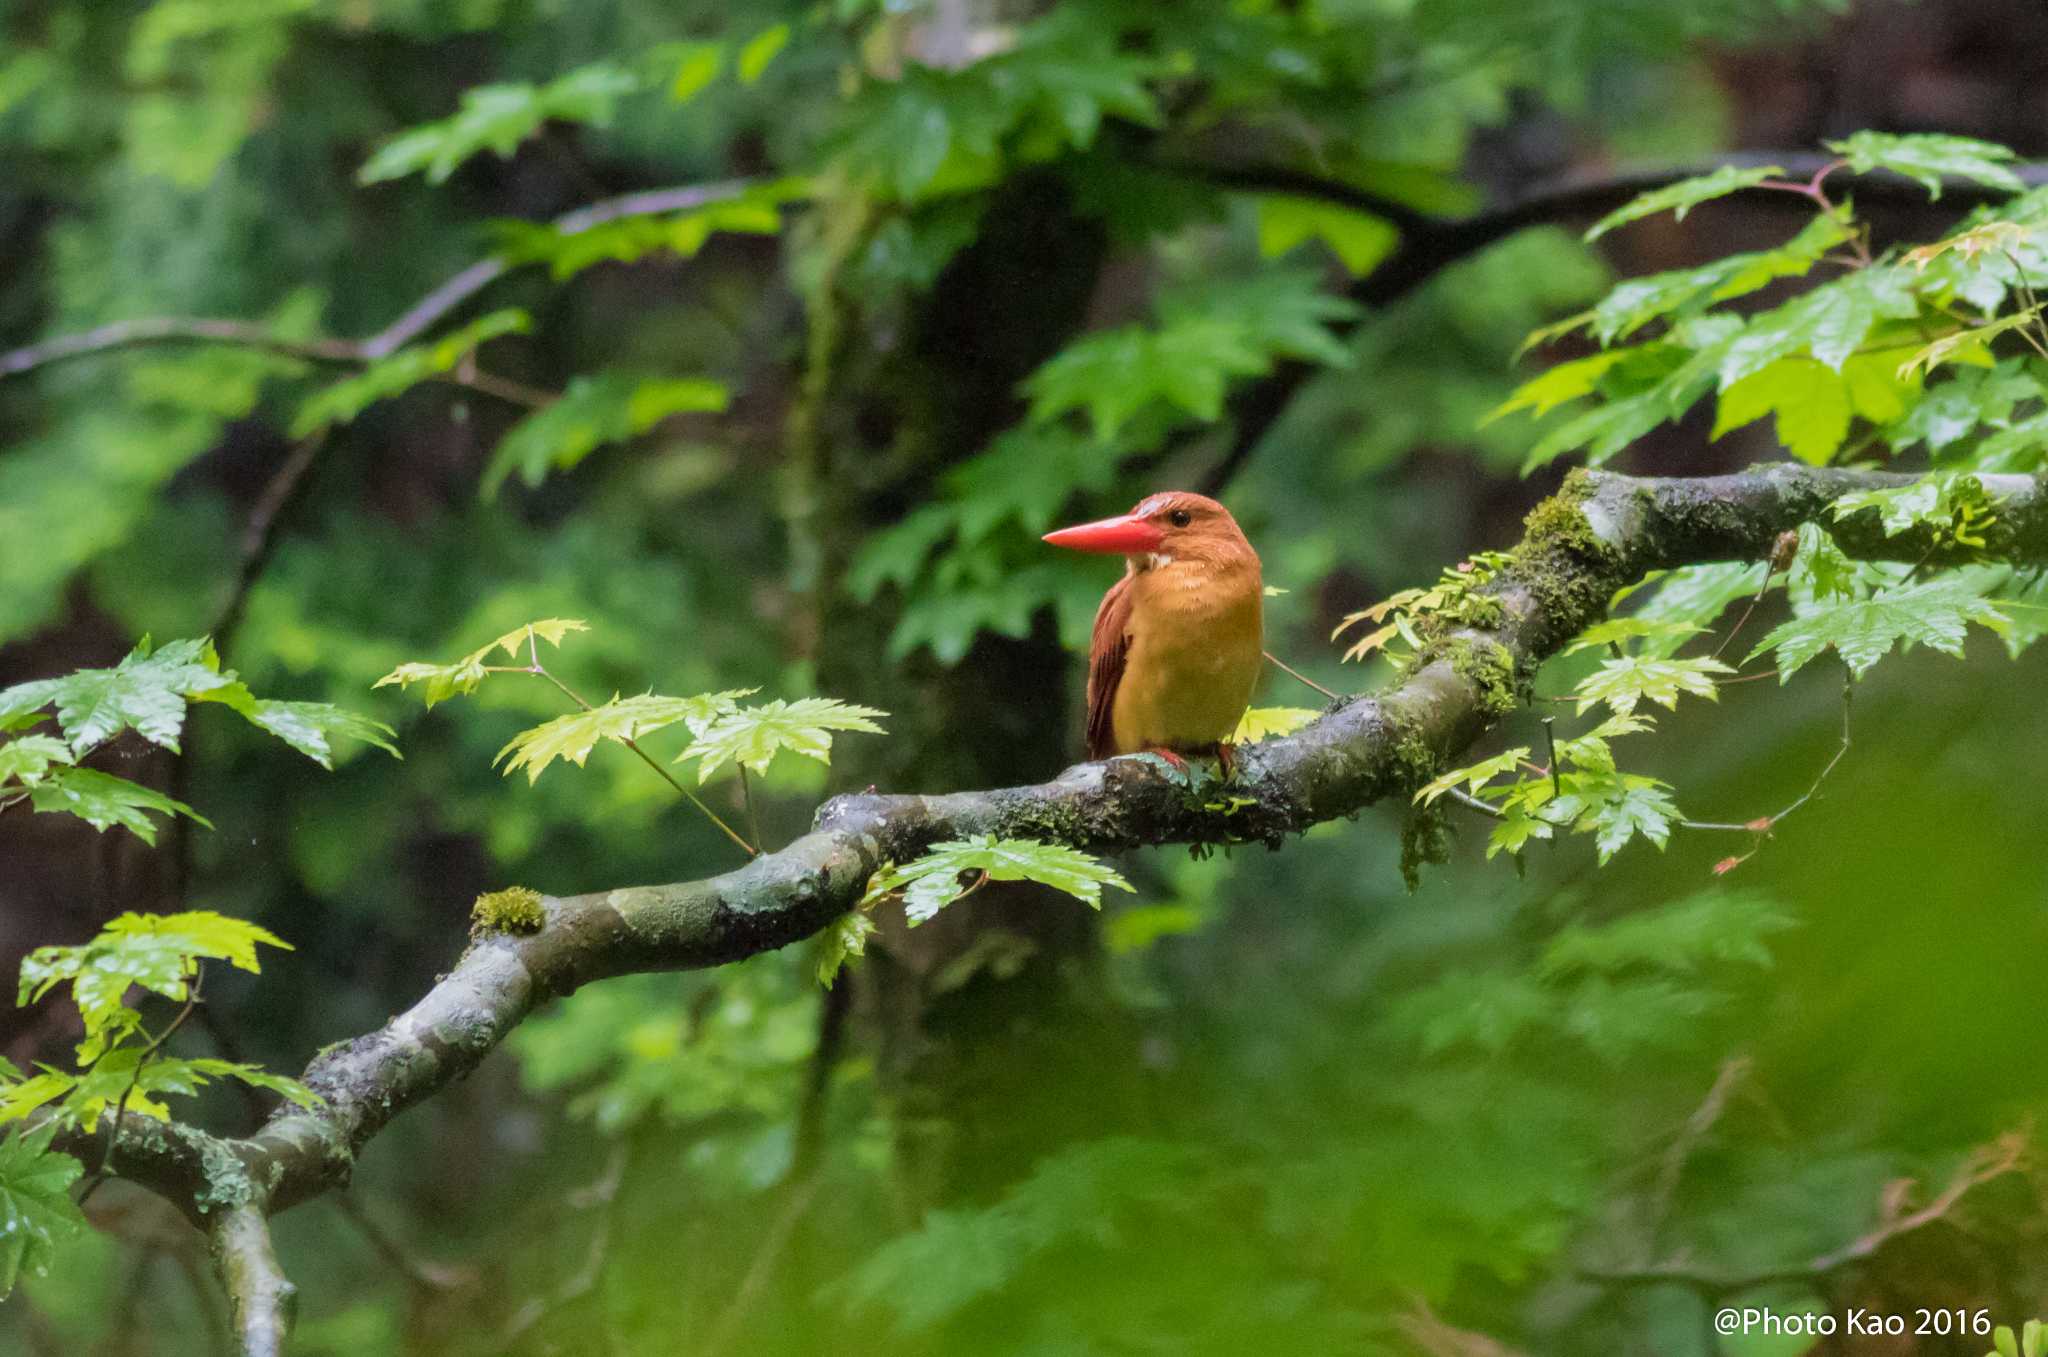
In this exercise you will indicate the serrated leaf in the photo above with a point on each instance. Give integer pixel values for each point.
(1928, 158)
(1622, 683)
(572, 737)
(1810, 401)
(1618, 630)
(1863, 631)
(36, 1210)
(103, 801)
(1683, 196)
(392, 376)
(311, 727)
(498, 118)
(25, 759)
(1617, 807)
(1203, 341)
(1635, 302)
(844, 940)
(1970, 344)
(932, 882)
(1558, 384)
(159, 952)
(1475, 776)
(1827, 323)
(146, 692)
(443, 681)
(753, 736)
(607, 408)
(1261, 722)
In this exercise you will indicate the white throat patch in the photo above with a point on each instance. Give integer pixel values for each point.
(1156, 559)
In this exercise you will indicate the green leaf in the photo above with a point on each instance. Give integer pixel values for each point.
(1717, 926)
(568, 250)
(753, 736)
(1559, 384)
(1694, 597)
(1811, 404)
(759, 50)
(1616, 807)
(1475, 776)
(103, 800)
(159, 952)
(498, 118)
(1929, 158)
(311, 727)
(1623, 682)
(1683, 196)
(607, 408)
(1261, 722)
(1863, 631)
(443, 681)
(932, 882)
(697, 64)
(36, 1210)
(1619, 630)
(1358, 239)
(1972, 344)
(27, 758)
(844, 940)
(572, 737)
(1827, 323)
(1203, 341)
(388, 377)
(146, 692)
(1635, 302)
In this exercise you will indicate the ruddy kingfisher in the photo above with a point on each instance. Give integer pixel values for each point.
(1179, 639)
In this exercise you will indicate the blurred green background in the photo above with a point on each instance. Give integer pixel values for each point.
(1269, 1103)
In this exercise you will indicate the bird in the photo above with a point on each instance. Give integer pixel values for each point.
(1179, 639)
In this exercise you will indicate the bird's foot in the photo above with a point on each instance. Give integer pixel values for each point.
(1180, 765)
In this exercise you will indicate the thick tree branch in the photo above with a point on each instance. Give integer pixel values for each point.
(1601, 532)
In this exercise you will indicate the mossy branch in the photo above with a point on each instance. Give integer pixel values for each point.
(1600, 532)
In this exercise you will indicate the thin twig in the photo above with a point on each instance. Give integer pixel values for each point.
(1291, 672)
(149, 1053)
(421, 1274)
(601, 1195)
(416, 320)
(537, 668)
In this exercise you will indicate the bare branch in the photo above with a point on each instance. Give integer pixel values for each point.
(264, 1299)
(422, 316)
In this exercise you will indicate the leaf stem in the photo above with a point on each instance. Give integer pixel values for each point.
(646, 758)
(747, 798)
(149, 1053)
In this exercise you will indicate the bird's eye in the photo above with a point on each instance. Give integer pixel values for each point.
(1180, 518)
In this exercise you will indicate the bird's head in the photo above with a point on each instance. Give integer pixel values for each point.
(1175, 525)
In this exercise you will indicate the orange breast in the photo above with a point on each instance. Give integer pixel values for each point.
(1197, 638)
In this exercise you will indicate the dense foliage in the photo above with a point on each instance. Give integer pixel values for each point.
(724, 364)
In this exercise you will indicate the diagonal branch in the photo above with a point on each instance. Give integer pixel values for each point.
(422, 316)
(1600, 532)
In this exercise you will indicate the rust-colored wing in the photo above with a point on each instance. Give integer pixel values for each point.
(1107, 649)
